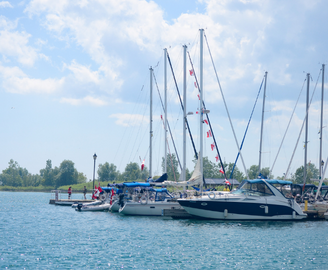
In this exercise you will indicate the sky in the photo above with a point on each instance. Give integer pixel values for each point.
(75, 80)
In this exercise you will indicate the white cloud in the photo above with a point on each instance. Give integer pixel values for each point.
(82, 73)
(14, 80)
(14, 44)
(129, 120)
(4, 4)
(88, 100)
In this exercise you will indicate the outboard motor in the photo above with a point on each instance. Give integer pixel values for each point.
(121, 199)
(79, 206)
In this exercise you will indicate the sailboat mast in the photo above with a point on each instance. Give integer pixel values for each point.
(263, 106)
(321, 120)
(201, 109)
(151, 122)
(184, 111)
(306, 127)
(165, 111)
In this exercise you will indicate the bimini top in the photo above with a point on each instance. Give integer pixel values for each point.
(108, 189)
(136, 184)
(271, 181)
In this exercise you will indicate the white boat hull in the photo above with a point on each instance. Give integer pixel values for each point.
(147, 209)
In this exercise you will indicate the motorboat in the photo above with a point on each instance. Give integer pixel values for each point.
(150, 202)
(256, 199)
(104, 206)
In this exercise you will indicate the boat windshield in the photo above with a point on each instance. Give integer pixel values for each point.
(254, 189)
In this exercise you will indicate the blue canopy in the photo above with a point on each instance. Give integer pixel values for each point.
(136, 184)
(272, 181)
(108, 189)
(160, 189)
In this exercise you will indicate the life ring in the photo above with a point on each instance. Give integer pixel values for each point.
(143, 200)
(211, 195)
(102, 197)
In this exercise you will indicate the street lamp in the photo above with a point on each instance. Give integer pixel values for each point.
(94, 169)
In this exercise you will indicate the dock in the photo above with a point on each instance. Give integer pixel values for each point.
(68, 202)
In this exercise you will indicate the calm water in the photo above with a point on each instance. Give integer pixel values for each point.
(36, 235)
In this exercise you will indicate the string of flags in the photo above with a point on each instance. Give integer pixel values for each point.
(209, 133)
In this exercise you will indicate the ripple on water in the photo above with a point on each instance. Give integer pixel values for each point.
(36, 235)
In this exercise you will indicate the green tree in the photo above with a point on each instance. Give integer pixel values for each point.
(48, 174)
(11, 176)
(253, 172)
(311, 172)
(171, 167)
(81, 177)
(210, 169)
(133, 172)
(107, 172)
(237, 174)
(67, 174)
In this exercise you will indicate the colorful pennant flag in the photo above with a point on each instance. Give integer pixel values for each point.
(209, 134)
(191, 72)
(205, 121)
(212, 146)
(217, 158)
(221, 171)
(195, 84)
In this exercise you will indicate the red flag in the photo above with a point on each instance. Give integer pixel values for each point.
(95, 194)
(212, 146)
(221, 171)
(209, 134)
(198, 97)
(197, 112)
(227, 182)
(99, 188)
(205, 121)
(195, 84)
(191, 72)
(217, 158)
(142, 165)
(111, 197)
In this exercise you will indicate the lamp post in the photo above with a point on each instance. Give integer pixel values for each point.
(94, 169)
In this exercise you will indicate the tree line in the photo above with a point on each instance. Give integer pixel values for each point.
(66, 173)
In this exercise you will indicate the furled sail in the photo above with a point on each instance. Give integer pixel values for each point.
(195, 179)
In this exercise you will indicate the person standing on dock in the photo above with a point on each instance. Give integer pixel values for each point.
(69, 191)
(85, 192)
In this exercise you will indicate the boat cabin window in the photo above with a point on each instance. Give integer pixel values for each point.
(256, 189)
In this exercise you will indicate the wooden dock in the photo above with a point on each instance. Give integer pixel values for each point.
(68, 202)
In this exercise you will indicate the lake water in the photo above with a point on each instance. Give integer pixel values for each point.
(36, 235)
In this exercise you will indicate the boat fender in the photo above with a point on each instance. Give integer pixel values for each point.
(143, 200)
(211, 195)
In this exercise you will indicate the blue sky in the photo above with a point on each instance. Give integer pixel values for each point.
(74, 78)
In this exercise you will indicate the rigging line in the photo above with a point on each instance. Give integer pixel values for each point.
(307, 112)
(168, 125)
(233, 130)
(135, 105)
(208, 119)
(291, 117)
(176, 85)
(137, 135)
(249, 121)
(175, 179)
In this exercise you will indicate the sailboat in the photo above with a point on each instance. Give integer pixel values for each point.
(151, 202)
(256, 199)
